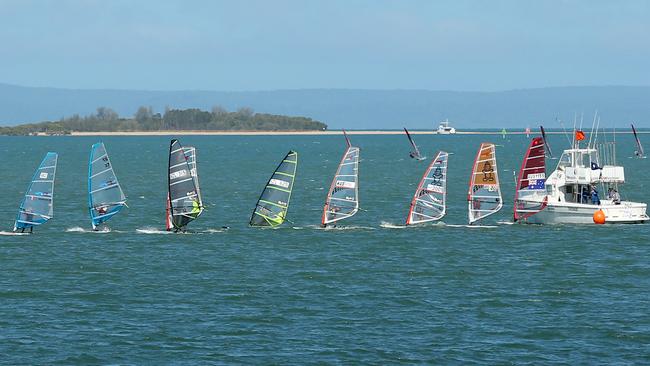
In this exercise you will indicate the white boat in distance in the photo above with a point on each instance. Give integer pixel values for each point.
(565, 196)
(445, 129)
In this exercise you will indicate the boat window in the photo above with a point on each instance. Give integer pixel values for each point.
(565, 160)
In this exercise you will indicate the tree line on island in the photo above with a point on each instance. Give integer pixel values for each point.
(193, 119)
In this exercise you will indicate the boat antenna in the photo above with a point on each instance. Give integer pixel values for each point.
(593, 124)
(566, 134)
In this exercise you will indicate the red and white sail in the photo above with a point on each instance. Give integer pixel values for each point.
(429, 200)
(343, 196)
(484, 195)
(530, 193)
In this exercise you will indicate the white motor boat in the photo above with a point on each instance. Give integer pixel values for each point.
(566, 196)
(445, 129)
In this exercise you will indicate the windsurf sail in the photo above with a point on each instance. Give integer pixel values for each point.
(639, 148)
(484, 195)
(343, 196)
(415, 153)
(547, 147)
(429, 200)
(190, 155)
(271, 208)
(530, 193)
(37, 207)
(105, 195)
(184, 200)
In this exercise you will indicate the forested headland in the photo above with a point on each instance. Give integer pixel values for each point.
(145, 119)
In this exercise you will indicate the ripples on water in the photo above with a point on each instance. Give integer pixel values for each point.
(366, 292)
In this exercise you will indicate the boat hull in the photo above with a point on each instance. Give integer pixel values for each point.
(580, 213)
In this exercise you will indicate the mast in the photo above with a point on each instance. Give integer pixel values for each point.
(105, 195)
(484, 194)
(37, 206)
(531, 182)
(184, 203)
(547, 147)
(639, 148)
(273, 204)
(429, 200)
(343, 195)
(416, 152)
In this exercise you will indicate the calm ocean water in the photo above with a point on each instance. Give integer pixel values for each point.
(362, 293)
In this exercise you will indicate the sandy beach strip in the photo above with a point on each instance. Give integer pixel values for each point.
(290, 133)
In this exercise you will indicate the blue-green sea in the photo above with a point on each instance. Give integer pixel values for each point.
(366, 292)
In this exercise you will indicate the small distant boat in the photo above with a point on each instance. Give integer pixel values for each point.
(343, 195)
(504, 133)
(527, 131)
(639, 153)
(183, 195)
(37, 207)
(429, 200)
(273, 204)
(484, 194)
(445, 129)
(105, 195)
(415, 153)
(547, 147)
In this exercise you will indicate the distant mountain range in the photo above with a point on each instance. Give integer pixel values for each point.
(351, 108)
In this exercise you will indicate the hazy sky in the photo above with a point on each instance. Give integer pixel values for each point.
(275, 44)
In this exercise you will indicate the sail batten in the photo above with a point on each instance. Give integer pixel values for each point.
(343, 195)
(429, 200)
(105, 195)
(37, 206)
(484, 194)
(273, 204)
(184, 202)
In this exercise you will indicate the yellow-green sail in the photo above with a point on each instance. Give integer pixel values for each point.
(272, 206)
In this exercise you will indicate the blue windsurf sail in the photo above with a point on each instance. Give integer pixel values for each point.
(37, 207)
(105, 195)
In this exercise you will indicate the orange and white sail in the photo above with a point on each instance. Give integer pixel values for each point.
(484, 194)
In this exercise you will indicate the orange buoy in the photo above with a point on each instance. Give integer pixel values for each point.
(599, 217)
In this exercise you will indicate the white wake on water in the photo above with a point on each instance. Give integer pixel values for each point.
(390, 225)
(79, 229)
(12, 233)
(152, 230)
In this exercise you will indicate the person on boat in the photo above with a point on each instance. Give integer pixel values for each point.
(196, 207)
(595, 200)
(101, 210)
(616, 197)
(412, 155)
(585, 195)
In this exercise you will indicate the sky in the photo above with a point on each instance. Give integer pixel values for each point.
(353, 44)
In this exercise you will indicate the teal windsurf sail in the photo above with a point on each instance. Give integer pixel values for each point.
(272, 206)
(37, 207)
(105, 195)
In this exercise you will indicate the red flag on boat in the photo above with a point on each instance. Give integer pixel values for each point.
(580, 135)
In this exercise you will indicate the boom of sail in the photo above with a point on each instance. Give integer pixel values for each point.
(343, 196)
(429, 200)
(639, 148)
(415, 153)
(37, 207)
(484, 195)
(271, 208)
(184, 199)
(530, 193)
(105, 195)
